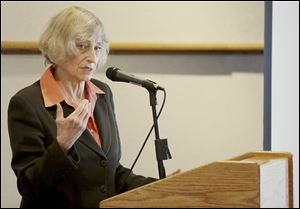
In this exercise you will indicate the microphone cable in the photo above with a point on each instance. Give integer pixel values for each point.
(147, 137)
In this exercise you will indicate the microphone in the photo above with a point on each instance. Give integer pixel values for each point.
(115, 74)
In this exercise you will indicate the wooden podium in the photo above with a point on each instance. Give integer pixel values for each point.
(254, 179)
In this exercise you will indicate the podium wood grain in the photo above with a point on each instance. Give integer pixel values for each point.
(233, 183)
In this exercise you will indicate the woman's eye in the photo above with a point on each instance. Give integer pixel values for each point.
(82, 46)
(98, 48)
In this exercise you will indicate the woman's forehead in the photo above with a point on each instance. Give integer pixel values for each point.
(92, 40)
(96, 38)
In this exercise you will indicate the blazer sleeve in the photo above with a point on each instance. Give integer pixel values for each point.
(126, 181)
(37, 165)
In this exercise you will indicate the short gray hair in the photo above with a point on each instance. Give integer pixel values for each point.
(58, 41)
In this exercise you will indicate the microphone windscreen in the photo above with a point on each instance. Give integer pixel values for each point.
(111, 72)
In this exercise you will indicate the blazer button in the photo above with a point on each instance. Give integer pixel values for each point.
(103, 163)
(103, 189)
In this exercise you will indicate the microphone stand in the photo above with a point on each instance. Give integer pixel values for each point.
(161, 145)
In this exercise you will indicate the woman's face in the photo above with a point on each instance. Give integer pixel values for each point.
(82, 66)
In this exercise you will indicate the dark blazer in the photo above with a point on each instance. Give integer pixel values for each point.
(49, 177)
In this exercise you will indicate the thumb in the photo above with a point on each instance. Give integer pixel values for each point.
(59, 112)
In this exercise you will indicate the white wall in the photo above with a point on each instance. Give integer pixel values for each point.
(285, 83)
(214, 107)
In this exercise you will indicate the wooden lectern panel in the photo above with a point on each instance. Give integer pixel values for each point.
(233, 183)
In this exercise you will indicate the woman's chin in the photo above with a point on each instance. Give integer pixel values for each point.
(86, 77)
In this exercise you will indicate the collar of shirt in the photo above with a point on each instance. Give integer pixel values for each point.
(52, 94)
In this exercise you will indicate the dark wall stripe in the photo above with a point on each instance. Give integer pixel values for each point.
(267, 76)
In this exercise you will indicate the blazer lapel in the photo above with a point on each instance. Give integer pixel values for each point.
(87, 139)
(103, 122)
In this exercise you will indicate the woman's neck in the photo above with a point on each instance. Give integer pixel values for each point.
(72, 90)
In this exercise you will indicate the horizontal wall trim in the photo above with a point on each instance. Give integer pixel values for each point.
(12, 47)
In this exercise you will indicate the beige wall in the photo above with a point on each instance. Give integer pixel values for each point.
(209, 114)
(214, 107)
(171, 22)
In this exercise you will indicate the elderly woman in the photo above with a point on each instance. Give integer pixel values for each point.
(63, 132)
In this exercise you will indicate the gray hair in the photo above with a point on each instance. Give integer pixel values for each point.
(58, 41)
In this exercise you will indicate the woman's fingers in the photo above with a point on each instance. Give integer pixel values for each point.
(59, 112)
(69, 129)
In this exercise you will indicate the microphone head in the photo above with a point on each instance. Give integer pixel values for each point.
(111, 73)
(115, 74)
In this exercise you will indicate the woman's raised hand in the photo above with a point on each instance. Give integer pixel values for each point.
(70, 129)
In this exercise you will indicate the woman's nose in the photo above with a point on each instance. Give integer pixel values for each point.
(92, 55)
